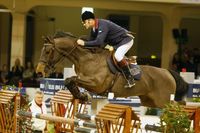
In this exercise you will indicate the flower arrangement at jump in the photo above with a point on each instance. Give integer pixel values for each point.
(174, 119)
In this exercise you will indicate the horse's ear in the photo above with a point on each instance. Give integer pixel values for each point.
(45, 39)
(48, 39)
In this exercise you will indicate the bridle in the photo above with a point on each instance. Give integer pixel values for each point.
(50, 66)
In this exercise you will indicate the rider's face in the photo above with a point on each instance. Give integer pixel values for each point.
(87, 23)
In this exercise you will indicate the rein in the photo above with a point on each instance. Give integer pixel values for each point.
(62, 53)
(58, 58)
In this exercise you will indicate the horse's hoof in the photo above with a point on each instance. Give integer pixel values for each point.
(85, 97)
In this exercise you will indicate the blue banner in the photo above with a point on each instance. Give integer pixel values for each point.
(50, 86)
(194, 90)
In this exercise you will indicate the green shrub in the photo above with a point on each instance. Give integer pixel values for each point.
(196, 99)
(151, 111)
(175, 120)
(50, 128)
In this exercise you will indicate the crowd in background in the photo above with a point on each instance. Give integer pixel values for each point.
(26, 75)
(188, 60)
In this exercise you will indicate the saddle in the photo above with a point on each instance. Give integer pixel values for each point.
(134, 68)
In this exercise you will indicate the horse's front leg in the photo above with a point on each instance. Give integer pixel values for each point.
(71, 85)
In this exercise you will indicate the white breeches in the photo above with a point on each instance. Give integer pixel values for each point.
(122, 50)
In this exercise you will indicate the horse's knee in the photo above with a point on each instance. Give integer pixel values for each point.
(67, 81)
(70, 83)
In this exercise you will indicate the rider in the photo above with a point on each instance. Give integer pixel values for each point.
(104, 31)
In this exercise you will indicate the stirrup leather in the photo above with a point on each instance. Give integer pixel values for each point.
(130, 80)
(127, 73)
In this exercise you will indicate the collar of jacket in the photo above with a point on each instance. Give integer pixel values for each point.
(96, 24)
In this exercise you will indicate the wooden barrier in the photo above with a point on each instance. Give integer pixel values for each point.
(64, 105)
(194, 114)
(9, 104)
(111, 119)
(115, 118)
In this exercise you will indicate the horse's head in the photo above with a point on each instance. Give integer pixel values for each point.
(46, 58)
(53, 51)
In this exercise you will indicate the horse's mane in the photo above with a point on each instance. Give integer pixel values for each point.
(63, 34)
(60, 34)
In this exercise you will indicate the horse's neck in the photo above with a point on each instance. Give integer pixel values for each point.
(85, 53)
(82, 56)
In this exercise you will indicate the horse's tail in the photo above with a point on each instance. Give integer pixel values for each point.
(181, 86)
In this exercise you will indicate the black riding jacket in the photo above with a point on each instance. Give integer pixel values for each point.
(107, 32)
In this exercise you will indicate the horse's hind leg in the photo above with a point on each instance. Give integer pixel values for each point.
(147, 101)
(153, 101)
(70, 83)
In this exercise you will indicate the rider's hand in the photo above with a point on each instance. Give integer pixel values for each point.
(80, 42)
(110, 48)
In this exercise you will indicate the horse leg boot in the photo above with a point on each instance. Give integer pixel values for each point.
(123, 64)
(74, 90)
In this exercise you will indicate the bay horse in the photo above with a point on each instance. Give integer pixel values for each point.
(154, 88)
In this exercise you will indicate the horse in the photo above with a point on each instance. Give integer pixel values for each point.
(93, 74)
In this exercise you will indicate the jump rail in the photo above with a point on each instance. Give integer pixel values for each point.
(56, 119)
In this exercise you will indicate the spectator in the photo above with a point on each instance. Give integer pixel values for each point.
(5, 75)
(176, 63)
(29, 71)
(196, 60)
(38, 106)
(187, 61)
(17, 71)
(183, 61)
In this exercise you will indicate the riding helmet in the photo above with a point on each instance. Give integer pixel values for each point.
(87, 15)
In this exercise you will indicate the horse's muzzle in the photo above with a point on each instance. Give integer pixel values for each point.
(40, 69)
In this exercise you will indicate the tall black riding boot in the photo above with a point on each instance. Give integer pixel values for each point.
(123, 64)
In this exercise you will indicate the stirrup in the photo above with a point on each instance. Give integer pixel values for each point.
(129, 85)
